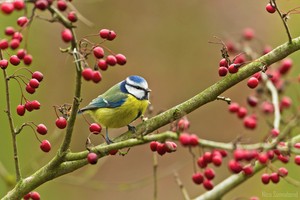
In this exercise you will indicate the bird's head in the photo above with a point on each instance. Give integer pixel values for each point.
(137, 86)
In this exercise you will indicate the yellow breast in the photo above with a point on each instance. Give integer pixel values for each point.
(120, 116)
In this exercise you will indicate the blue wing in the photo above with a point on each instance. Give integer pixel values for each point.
(111, 99)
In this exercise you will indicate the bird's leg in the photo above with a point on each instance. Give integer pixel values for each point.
(108, 141)
(131, 128)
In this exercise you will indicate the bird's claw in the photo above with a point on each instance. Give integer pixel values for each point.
(131, 128)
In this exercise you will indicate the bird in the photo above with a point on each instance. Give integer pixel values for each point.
(120, 105)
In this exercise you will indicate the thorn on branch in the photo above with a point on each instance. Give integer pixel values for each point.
(226, 99)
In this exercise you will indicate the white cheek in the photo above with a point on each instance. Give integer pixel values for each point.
(135, 92)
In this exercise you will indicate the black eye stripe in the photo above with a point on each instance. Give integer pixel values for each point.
(137, 87)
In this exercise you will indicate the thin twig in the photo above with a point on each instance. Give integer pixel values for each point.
(181, 186)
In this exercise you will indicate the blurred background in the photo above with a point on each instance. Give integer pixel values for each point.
(167, 42)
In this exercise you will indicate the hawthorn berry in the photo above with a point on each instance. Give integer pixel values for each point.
(297, 159)
(252, 82)
(113, 152)
(223, 71)
(248, 170)
(35, 105)
(233, 68)
(283, 172)
(19, 4)
(98, 52)
(207, 156)
(161, 148)
(111, 60)
(22, 21)
(102, 64)
(263, 158)
(41, 4)
(27, 59)
(223, 63)
(267, 107)
(233, 107)
(9, 31)
(7, 7)
(92, 158)
(72, 16)
(66, 35)
(235, 166)
(14, 60)
(28, 106)
(14, 44)
(252, 101)
(111, 35)
(27, 196)
(61, 122)
(121, 59)
(239, 154)
(197, 178)
(250, 122)
(274, 177)
(34, 83)
(21, 53)
(21, 109)
(208, 185)
(3, 44)
(97, 77)
(87, 74)
(274, 132)
(265, 178)
(95, 128)
(35, 195)
(201, 162)
(184, 139)
(297, 145)
(153, 145)
(285, 66)
(217, 160)
(248, 34)
(38, 76)
(183, 124)
(30, 89)
(270, 8)
(170, 146)
(41, 129)
(285, 102)
(18, 36)
(3, 64)
(209, 173)
(194, 140)
(242, 112)
(283, 158)
(45, 146)
(104, 33)
(62, 5)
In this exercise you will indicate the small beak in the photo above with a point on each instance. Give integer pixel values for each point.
(149, 90)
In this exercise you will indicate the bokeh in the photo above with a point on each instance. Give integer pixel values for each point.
(167, 42)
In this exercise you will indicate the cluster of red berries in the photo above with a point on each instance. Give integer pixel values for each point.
(8, 7)
(162, 148)
(32, 195)
(275, 176)
(103, 62)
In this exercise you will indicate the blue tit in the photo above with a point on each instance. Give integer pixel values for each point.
(120, 105)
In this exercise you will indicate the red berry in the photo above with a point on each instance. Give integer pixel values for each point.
(87, 74)
(18, 36)
(274, 177)
(14, 60)
(198, 178)
(111, 60)
(207, 156)
(121, 59)
(27, 196)
(38, 76)
(223, 71)
(30, 89)
(161, 148)
(208, 184)
(252, 101)
(22, 21)
(66, 35)
(248, 170)
(19, 4)
(297, 159)
(194, 140)
(35, 105)
(3, 64)
(183, 124)
(209, 173)
(35, 195)
(274, 132)
(248, 34)
(104, 33)
(14, 43)
(270, 154)
(61, 122)
(7, 7)
(286, 102)
(285, 66)
(267, 107)
(45, 146)
(250, 122)
(113, 152)
(242, 112)
(92, 158)
(21, 53)
(201, 162)
(102, 64)
(3, 44)
(95, 128)
(97, 77)
(233, 68)
(72, 16)
(263, 158)
(265, 178)
(28, 106)
(270, 8)
(283, 172)
(239, 154)
(252, 82)
(284, 159)
(111, 35)
(297, 145)
(34, 83)
(41, 4)
(233, 107)
(27, 59)
(21, 110)
(41, 129)
(9, 31)
(153, 145)
(235, 166)
(170, 146)
(217, 160)
(184, 139)
(98, 52)
(61, 5)
(223, 63)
